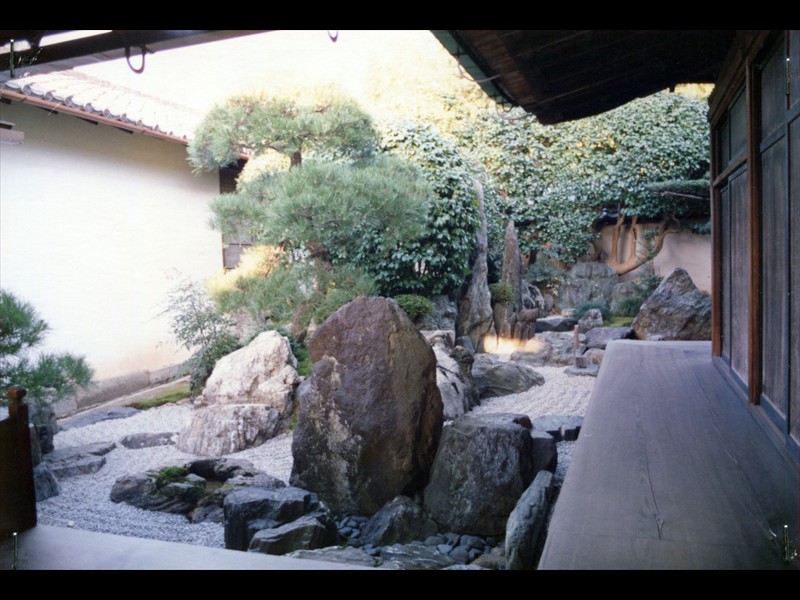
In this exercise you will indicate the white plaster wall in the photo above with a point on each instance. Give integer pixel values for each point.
(683, 249)
(95, 226)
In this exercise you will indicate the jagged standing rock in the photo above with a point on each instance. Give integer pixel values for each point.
(526, 524)
(676, 311)
(475, 317)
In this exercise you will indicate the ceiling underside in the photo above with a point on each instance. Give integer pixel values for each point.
(570, 74)
(105, 46)
(558, 75)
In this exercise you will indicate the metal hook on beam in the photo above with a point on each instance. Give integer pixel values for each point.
(145, 50)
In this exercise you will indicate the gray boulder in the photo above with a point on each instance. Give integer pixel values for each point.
(248, 399)
(371, 413)
(78, 460)
(398, 522)
(599, 337)
(483, 465)
(494, 377)
(587, 282)
(44, 482)
(136, 441)
(550, 348)
(591, 318)
(526, 524)
(475, 317)
(545, 452)
(305, 533)
(250, 509)
(453, 374)
(557, 323)
(676, 310)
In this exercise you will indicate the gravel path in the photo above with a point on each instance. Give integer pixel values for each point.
(84, 500)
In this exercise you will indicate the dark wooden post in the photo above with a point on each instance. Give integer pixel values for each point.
(17, 493)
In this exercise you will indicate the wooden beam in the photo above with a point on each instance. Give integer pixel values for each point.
(754, 350)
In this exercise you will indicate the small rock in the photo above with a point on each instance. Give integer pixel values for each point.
(460, 554)
(136, 441)
(587, 371)
(99, 414)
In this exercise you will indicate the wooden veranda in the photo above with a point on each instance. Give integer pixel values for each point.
(673, 470)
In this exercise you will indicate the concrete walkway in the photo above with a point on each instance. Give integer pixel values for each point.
(59, 548)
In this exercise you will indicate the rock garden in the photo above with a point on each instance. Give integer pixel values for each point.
(403, 448)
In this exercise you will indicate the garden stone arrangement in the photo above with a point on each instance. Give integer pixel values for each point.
(409, 451)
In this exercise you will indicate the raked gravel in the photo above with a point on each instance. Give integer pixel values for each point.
(84, 500)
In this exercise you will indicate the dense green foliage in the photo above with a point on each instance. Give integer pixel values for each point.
(502, 293)
(553, 180)
(437, 261)
(338, 217)
(321, 121)
(47, 376)
(200, 328)
(415, 306)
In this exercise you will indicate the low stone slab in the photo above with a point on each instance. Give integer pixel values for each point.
(563, 428)
(527, 523)
(555, 324)
(600, 336)
(137, 441)
(99, 414)
(587, 371)
(414, 557)
(78, 460)
(336, 554)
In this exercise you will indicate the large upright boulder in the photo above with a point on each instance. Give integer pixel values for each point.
(371, 413)
(248, 399)
(483, 465)
(587, 282)
(475, 317)
(676, 310)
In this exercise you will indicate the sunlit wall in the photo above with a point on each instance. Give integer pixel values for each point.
(96, 225)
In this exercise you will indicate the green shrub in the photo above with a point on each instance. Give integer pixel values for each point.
(414, 305)
(47, 376)
(197, 325)
(169, 475)
(583, 307)
(629, 307)
(502, 293)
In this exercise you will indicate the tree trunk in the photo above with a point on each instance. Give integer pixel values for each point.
(640, 251)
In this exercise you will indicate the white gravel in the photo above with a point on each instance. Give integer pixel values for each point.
(84, 500)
